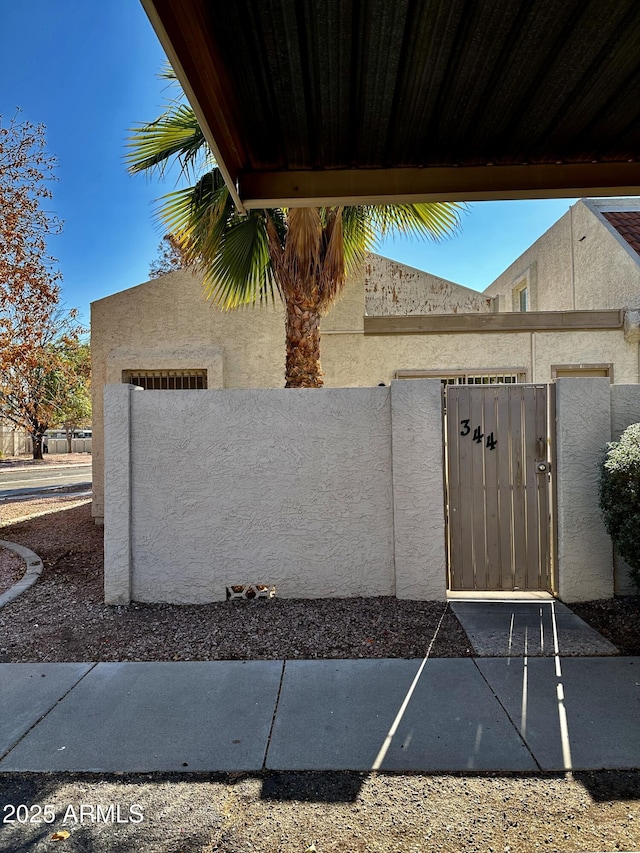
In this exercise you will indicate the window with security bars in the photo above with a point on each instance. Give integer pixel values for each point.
(461, 378)
(167, 380)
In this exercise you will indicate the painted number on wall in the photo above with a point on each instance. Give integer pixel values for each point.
(478, 435)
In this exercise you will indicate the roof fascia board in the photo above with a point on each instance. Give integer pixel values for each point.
(324, 188)
(512, 321)
(222, 160)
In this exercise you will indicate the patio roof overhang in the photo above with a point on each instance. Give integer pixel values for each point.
(309, 102)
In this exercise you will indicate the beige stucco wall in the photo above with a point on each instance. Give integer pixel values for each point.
(370, 359)
(580, 263)
(228, 494)
(607, 270)
(314, 492)
(395, 289)
(547, 267)
(167, 323)
(583, 428)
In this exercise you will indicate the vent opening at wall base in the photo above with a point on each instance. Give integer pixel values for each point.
(248, 591)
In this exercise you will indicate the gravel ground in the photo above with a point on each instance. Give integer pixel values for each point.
(62, 618)
(617, 619)
(11, 569)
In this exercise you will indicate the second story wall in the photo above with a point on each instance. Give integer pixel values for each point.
(392, 288)
(580, 263)
(607, 269)
(545, 269)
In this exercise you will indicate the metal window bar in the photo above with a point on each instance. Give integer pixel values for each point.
(167, 380)
(483, 379)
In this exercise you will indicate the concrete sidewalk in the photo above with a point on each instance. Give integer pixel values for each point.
(438, 715)
(515, 628)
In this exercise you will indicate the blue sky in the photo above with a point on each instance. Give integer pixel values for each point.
(87, 70)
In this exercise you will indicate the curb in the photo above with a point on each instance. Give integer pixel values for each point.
(33, 572)
(44, 491)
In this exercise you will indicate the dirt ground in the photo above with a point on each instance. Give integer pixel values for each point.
(327, 813)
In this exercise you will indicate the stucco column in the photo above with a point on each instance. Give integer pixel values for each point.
(117, 493)
(418, 489)
(583, 428)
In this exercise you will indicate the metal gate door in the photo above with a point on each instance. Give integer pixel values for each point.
(498, 487)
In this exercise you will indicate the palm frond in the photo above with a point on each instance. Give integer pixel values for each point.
(302, 247)
(245, 259)
(241, 273)
(167, 73)
(359, 236)
(174, 136)
(431, 220)
(197, 216)
(333, 272)
(364, 226)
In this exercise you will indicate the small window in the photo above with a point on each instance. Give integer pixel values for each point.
(523, 291)
(581, 371)
(523, 299)
(489, 377)
(167, 380)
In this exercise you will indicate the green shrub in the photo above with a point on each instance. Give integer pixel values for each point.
(620, 497)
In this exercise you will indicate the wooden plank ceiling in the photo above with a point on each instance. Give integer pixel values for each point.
(328, 101)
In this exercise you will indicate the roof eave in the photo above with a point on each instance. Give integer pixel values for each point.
(457, 183)
(221, 141)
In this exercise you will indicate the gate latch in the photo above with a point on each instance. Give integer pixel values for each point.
(542, 467)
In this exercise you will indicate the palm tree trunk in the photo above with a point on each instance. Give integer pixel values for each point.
(302, 323)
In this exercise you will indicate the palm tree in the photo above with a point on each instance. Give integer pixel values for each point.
(302, 255)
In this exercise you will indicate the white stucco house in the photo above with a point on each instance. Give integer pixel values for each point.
(568, 307)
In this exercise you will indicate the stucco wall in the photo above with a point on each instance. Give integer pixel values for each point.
(548, 262)
(607, 272)
(580, 263)
(583, 428)
(420, 559)
(337, 492)
(283, 487)
(396, 289)
(167, 323)
(595, 347)
(370, 359)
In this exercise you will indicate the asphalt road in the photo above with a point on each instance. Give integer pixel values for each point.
(25, 481)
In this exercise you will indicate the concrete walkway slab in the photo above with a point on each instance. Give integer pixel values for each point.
(339, 714)
(28, 691)
(138, 717)
(574, 713)
(515, 628)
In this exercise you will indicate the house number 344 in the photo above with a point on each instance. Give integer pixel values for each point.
(478, 435)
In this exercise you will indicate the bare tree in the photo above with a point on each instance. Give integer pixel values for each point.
(34, 330)
(170, 257)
